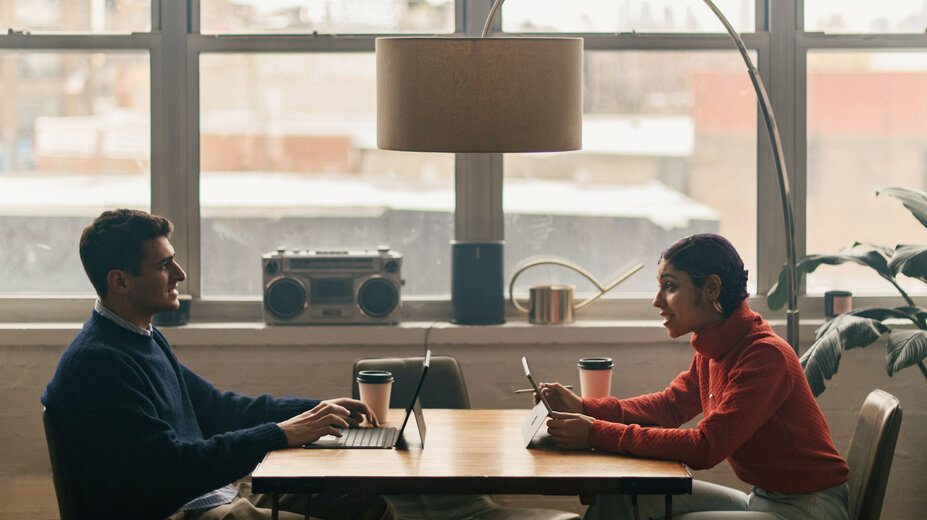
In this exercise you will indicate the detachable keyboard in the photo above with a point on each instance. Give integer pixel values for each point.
(377, 437)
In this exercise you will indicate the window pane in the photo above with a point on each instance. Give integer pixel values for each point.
(622, 16)
(74, 141)
(867, 129)
(327, 16)
(289, 159)
(669, 149)
(865, 16)
(76, 16)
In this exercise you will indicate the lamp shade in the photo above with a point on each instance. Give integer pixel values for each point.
(479, 95)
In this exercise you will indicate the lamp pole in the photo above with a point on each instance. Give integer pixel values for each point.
(784, 192)
(778, 157)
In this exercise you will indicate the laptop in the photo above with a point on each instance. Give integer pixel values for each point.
(540, 412)
(372, 437)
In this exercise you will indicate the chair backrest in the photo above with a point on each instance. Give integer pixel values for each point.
(872, 448)
(64, 483)
(443, 388)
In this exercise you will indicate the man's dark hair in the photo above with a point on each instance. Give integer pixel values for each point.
(115, 241)
(701, 256)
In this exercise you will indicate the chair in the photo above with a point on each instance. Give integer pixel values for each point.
(443, 388)
(872, 448)
(64, 484)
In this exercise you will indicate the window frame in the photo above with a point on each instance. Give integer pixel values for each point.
(175, 46)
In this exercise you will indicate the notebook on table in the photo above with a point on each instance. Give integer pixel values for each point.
(381, 436)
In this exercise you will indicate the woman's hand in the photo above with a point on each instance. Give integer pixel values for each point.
(570, 430)
(561, 399)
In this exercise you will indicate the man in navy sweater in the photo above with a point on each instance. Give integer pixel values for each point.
(145, 436)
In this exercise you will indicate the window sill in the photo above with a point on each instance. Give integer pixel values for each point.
(55, 321)
(587, 332)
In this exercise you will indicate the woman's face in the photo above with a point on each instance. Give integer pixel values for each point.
(684, 307)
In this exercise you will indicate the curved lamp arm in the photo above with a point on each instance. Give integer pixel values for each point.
(784, 191)
(778, 157)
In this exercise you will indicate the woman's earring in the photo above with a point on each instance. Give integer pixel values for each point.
(718, 306)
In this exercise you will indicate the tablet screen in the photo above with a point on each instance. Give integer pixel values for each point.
(524, 363)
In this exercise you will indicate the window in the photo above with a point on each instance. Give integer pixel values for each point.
(327, 16)
(643, 16)
(76, 16)
(669, 149)
(867, 122)
(75, 141)
(250, 124)
(289, 159)
(858, 16)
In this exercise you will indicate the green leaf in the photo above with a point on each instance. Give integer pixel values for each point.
(915, 201)
(871, 255)
(844, 332)
(905, 348)
(910, 260)
(915, 314)
(778, 296)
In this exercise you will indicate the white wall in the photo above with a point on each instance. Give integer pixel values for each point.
(645, 364)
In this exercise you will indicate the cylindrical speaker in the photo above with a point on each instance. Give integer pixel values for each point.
(476, 283)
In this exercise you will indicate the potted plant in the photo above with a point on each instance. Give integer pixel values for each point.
(860, 328)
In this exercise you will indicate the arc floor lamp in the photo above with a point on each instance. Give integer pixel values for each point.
(512, 94)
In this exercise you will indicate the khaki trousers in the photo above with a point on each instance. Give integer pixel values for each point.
(253, 506)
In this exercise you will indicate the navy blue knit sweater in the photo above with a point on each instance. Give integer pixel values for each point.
(144, 434)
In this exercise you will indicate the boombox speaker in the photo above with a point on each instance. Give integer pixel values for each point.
(332, 287)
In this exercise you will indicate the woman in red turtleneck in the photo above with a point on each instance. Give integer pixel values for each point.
(758, 411)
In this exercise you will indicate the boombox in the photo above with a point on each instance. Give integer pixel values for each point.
(330, 287)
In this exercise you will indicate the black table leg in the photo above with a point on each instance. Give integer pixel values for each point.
(669, 507)
(275, 506)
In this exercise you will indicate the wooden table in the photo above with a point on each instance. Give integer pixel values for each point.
(468, 452)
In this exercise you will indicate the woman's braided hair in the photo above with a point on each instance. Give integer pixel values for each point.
(703, 255)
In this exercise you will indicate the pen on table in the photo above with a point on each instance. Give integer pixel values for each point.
(526, 390)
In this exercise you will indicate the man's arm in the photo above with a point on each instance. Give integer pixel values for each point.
(121, 427)
(220, 412)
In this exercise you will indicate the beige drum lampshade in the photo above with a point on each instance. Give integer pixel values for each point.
(479, 95)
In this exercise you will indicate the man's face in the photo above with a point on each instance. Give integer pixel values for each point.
(154, 289)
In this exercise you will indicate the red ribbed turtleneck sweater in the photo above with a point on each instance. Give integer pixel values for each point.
(759, 413)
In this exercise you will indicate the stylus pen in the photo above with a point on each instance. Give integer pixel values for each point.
(526, 390)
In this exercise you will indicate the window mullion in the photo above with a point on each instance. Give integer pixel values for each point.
(174, 183)
(777, 60)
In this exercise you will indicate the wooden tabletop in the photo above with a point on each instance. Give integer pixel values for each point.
(467, 451)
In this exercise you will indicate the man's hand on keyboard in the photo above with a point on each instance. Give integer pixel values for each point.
(359, 411)
(325, 419)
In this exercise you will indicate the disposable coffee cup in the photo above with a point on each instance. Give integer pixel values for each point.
(374, 387)
(595, 376)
